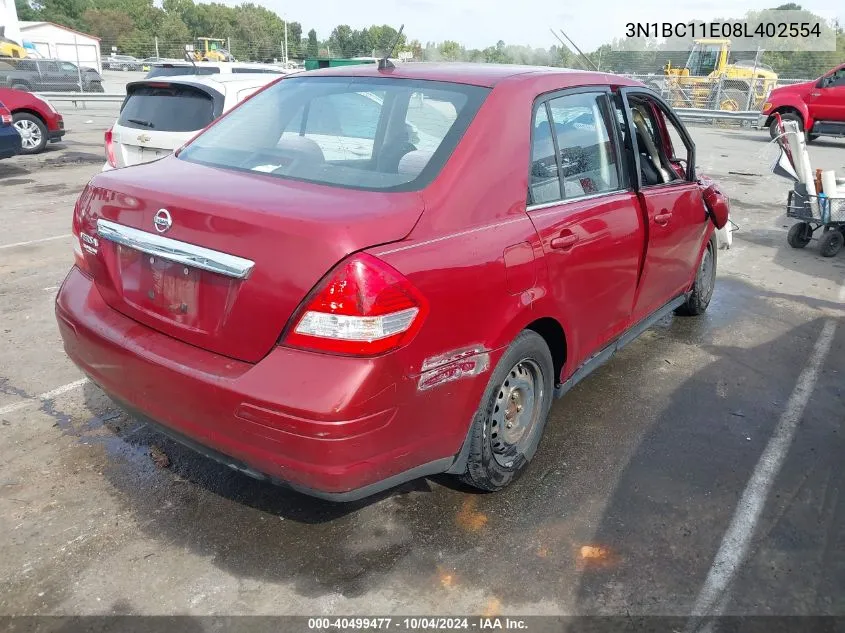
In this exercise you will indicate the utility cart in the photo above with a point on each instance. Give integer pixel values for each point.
(816, 213)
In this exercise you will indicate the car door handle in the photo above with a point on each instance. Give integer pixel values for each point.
(564, 242)
(815, 94)
(662, 218)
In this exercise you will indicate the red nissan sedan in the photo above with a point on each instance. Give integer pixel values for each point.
(360, 276)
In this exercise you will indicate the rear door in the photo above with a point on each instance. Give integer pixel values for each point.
(53, 78)
(587, 218)
(673, 207)
(158, 117)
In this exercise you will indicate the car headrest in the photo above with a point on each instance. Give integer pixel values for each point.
(301, 145)
(414, 162)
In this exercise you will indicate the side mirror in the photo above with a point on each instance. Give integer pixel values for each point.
(718, 206)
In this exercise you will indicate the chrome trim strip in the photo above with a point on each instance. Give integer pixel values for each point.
(564, 201)
(176, 251)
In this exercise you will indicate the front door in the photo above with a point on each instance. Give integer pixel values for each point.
(828, 102)
(672, 203)
(588, 220)
(71, 76)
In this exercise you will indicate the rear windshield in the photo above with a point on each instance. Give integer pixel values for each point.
(167, 109)
(362, 132)
(173, 71)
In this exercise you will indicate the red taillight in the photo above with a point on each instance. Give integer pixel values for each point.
(5, 115)
(82, 241)
(363, 308)
(110, 148)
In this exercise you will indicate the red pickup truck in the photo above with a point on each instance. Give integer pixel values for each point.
(818, 106)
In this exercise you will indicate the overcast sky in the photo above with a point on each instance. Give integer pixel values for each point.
(480, 23)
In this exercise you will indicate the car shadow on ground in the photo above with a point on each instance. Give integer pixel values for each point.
(675, 499)
(807, 261)
(523, 544)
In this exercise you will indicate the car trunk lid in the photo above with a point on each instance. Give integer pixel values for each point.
(242, 251)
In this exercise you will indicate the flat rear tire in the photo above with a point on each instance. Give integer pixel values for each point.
(507, 427)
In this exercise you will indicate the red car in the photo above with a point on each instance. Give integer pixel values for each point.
(36, 120)
(360, 276)
(818, 106)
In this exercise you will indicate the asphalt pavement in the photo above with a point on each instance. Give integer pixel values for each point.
(702, 465)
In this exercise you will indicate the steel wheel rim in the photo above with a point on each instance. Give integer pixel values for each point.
(516, 411)
(30, 133)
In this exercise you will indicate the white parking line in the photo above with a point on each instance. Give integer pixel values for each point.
(43, 239)
(712, 599)
(47, 395)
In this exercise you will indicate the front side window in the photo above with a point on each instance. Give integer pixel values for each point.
(67, 66)
(661, 146)
(835, 80)
(573, 142)
(357, 132)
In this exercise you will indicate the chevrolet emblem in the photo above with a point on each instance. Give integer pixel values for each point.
(143, 138)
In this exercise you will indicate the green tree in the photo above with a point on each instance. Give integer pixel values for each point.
(109, 25)
(173, 34)
(449, 51)
(26, 12)
(313, 45)
(65, 12)
(340, 41)
(294, 39)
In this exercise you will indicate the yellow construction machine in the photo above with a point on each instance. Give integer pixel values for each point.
(10, 48)
(710, 80)
(210, 49)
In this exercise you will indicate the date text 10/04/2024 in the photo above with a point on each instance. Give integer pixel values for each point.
(724, 29)
(417, 623)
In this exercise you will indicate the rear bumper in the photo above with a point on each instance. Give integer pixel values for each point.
(338, 428)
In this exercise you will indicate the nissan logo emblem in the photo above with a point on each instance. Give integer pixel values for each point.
(162, 220)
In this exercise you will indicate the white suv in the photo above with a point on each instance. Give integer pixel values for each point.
(160, 115)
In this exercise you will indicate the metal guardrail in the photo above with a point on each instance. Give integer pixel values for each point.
(697, 114)
(82, 97)
(686, 114)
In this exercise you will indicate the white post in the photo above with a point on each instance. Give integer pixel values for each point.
(156, 39)
(286, 40)
(78, 69)
(229, 45)
(748, 101)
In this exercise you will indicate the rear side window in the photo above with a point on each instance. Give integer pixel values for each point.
(167, 109)
(582, 153)
(363, 132)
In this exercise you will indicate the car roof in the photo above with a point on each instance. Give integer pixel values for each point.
(476, 74)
